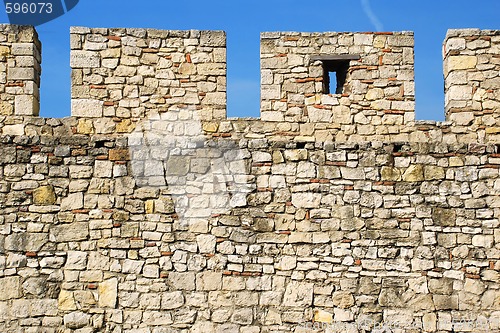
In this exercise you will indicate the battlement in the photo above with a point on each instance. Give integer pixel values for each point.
(329, 86)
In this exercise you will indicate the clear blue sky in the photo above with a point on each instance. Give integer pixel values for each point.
(244, 20)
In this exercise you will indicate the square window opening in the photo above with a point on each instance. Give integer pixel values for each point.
(334, 76)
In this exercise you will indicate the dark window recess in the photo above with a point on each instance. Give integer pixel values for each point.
(335, 68)
(334, 75)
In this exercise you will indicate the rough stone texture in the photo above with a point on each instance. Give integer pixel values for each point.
(348, 211)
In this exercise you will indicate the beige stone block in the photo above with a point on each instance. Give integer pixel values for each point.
(321, 316)
(432, 172)
(209, 281)
(26, 105)
(70, 232)
(17, 129)
(390, 174)
(4, 50)
(429, 322)
(374, 94)
(84, 59)
(108, 291)
(172, 300)
(66, 301)
(298, 294)
(86, 108)
(10, 288)
(414, 173)
(306, 200)
(461, 62)
(445, 302)
(343, 299)
(44, 195)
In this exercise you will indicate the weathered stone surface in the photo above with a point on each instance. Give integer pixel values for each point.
(414, 173)
(209, 281)
(66, 301)
(298, 294)
(44, 195)
(461, 62)
(10, 288)
(75, 320)
(77, 231)
(26, 241)
(108, 293)
(172, 300)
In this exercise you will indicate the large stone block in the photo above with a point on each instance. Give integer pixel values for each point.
(10, 288)
(44, 195)
(108, 291)
(86, 108)
(26, 241)
(84, 59)
(71, 232)
(209, 281)
(298, 294)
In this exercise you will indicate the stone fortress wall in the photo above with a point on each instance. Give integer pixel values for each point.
(149, 211)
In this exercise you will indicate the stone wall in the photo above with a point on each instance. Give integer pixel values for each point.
(147, 213)
(20, 57)
(471, 66)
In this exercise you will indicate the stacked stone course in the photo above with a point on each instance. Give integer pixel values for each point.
(352, 212)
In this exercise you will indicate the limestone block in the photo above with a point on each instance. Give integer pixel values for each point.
(182, 281)
(414, 173)
(352, 173)
(26, 105)
(20, 49)
(270, 92)
(444, 216)
(75, 320)
(27, 241)
(321, 316)
(462, 118)
(206, 243)
(71, 232)
(19, 308)
(432, 172)
(374, 94)
(298, 294)
(44, 195)
(43, 307)
(455, 44)
(108, 293)
(22, 73)
(445, 302)
(172, 300)
(319, 115)
(306, 199)
(72, 201)
(103, 169)
(66, 301)
(441, 286)
(132, 266)
(10, 288)
(483, 241)
(84, 59)
(209, 281)
(429, 322)
(461, 62)
(17, 129)
(343, 299)
(213, 38)
(86, 108)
